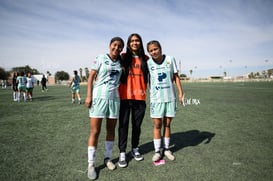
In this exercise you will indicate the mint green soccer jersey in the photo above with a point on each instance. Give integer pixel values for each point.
(108, 78)
(76, 81)
(21, 81)
(161, 80)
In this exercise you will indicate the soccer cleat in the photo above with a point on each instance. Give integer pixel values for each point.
(137, 156)
(91, 173)
(169, 155)
(156, 156)
(109, 164)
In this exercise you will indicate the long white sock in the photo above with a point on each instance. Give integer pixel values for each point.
(167, 142)
(108, 148)
(14, 96)
(24, 96)
(157, 144)
(91, 155)
(18, 96)
(122, 156)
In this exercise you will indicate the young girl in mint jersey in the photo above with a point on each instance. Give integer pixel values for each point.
(103, 101)
(163, 75)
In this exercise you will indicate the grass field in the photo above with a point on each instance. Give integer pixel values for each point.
(228, 136)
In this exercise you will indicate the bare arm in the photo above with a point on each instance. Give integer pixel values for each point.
(179, 87)
(88, 100)
(70, 83)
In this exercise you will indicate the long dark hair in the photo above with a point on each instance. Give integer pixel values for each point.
(127, 59)
(122, 44)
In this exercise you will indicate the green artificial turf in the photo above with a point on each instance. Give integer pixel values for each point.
(223, 133)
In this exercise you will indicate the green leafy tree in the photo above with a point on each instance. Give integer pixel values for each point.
(4, 75)
(48, 73)
(183, 75)
(25, 69)
(35, 71)
(61, 75)
(251, 75)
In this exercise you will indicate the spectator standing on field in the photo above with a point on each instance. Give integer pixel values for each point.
(29, 86)
(103, 101)
(133, 97)
(75, 87)
(14, 86)
(43, 82)
(163, 104)
(4, 84)
(21, 81)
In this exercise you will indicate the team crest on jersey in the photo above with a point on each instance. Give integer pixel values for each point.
(168, 63)
(161, 76)
(113, 73)
(106, 62)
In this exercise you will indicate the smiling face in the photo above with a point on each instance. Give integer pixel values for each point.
(155, 51)
(115, 49)
(135, 44)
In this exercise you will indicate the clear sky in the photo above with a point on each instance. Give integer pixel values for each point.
(207, 36)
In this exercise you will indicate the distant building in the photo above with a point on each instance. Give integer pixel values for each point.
(50, 79)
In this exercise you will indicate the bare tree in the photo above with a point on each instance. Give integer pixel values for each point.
(86, 73)
(80, 73)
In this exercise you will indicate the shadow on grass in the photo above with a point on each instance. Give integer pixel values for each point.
(180, 140)
(190, 138)
(43, 98)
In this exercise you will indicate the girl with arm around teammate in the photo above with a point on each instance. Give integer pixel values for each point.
(103, 102)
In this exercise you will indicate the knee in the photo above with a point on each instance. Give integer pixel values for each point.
(157, 126)
(94, 133)
(167, 125)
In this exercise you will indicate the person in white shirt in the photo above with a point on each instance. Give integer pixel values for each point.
(29, 86)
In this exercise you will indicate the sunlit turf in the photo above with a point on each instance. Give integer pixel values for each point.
(228, 136)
